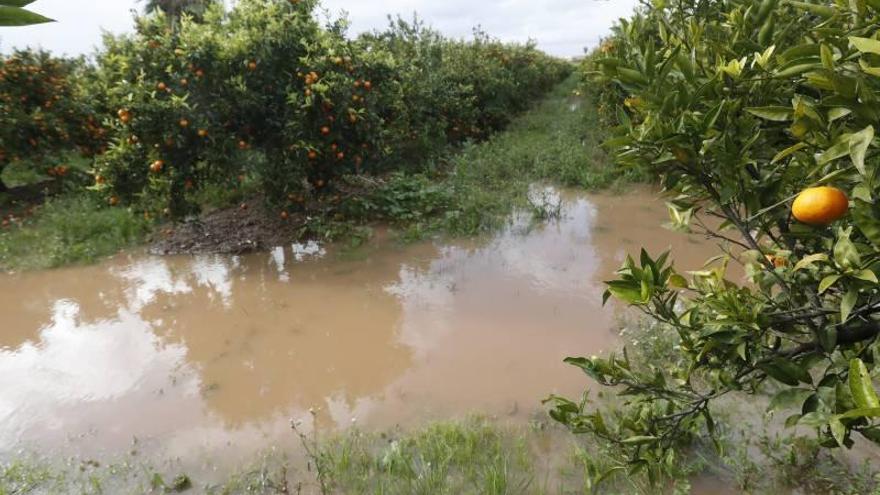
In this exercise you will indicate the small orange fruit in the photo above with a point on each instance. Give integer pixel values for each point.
(114, 200)
(368, 85)
(325, 130)
(157, 166)
(284, 215)
(184, 123)
(313, 155)
(820, 206)
(203, 133)
(161, 86)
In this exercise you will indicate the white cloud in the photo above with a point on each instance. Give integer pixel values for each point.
(562, 27)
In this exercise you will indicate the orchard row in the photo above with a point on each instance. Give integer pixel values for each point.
(264, 91)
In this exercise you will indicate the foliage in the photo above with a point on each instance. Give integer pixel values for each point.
(738, 106)
(476, 189)
(45, 111)
(193, 104)
(12, 14)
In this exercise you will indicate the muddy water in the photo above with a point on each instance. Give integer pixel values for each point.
(216, 354)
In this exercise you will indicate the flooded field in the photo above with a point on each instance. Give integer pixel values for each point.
(190, 355)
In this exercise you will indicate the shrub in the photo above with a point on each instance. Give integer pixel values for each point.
(740, 106)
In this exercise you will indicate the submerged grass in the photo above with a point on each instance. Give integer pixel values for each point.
(69, 230)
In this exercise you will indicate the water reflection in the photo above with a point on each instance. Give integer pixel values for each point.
(208, 351)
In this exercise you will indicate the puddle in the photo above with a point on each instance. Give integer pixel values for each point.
(190, 355)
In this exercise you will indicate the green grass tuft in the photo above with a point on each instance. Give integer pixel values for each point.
(69, 230)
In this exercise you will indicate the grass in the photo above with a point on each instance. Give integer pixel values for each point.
(70, 229)
(472, 456)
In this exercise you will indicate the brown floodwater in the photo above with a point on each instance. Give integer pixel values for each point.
(196, 354)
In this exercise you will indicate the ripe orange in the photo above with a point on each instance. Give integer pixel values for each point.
(242, 145)
(157, 166)
(161, 86)
(114, 200)
(820, 206)
(203, 133)
(313, 155)
(284, 215)
(325, 130)
(368, 85)
(184, 123)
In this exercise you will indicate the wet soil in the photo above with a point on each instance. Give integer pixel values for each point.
(242, 229)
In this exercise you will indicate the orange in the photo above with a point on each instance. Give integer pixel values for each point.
(820, 205)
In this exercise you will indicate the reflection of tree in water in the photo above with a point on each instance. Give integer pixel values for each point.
(273, 345)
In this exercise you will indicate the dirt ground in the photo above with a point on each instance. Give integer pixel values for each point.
(246, 228)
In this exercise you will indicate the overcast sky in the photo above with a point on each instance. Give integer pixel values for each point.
(561, 27)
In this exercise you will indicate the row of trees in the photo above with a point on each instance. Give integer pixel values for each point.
(760, 117)
(200, 96)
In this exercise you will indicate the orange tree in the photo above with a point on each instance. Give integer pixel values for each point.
(265, 90)
(45, 111)
(743, 108)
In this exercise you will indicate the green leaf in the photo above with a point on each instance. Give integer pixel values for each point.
(813, 419)
(788, 151)
(845, 252)
(869, 412)
(838, 113)
(774, 113)
(858, 147)
(787, 372)
(838, 431)
(15, 16)
(847, 303)
(866, 275)
(807, 261)
(790, 397)
(866, 220)
(678, 282)
(861, 386)
(828, 282)
(626, 291)
(639, 440)
(865, 45)
(16, 3)
(839, 149)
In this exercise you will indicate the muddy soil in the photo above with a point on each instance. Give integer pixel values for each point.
(242, 229)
